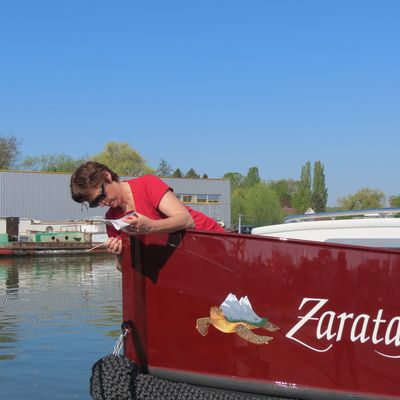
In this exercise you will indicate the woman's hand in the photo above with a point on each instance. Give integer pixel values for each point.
(138, 224)
(114, 245)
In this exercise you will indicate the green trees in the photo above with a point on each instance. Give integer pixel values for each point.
(120, 157)
(9, 151)
(262, 205)
(52, 163)
(123, 159)
(258, 204)
(177, 173)
(252, 178)
(364, 198)
(236, 179)
(192, 174)
(302, 199)
(311, 192)
(164, 169)
(255, 200)
(319, 195)
(394, 201)
(285, 190)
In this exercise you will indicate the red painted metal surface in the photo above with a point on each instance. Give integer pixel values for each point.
(337, 307)
(6, 252)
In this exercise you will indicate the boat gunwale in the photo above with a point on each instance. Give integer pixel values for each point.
(301, 242)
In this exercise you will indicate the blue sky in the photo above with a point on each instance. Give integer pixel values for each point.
(217, 85)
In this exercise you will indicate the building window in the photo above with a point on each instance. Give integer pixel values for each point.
(187, 198)
(201, 198)
(214, 198)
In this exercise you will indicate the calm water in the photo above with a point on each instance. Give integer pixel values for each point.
(58, 315)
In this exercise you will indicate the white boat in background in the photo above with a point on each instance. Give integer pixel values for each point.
(372, 227)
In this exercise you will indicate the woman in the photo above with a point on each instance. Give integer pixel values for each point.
(157, 208)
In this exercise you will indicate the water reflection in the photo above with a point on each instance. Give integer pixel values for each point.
(58, 315)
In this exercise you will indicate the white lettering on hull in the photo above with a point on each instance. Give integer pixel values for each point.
(330, 327)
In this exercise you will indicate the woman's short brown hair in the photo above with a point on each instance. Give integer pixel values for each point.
(88, 176)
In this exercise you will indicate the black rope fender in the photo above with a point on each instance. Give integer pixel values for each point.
(116, 377)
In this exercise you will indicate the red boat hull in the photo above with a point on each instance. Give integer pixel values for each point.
(336, 307)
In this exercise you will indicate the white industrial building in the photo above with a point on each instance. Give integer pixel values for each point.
(46, 197)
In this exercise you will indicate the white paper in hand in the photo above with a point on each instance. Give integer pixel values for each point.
(118, 224)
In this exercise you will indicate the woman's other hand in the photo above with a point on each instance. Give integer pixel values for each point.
(114, 245)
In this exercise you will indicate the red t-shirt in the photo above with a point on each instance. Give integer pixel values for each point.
(147, 191)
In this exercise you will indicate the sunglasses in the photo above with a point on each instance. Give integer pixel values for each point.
(100, 197)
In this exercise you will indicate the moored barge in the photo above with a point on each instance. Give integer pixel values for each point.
(51, 248)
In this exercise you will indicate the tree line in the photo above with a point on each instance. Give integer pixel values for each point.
(264, 203)
(259, 202)
(118, 156)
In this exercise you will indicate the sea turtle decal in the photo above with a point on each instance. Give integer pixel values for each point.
(236, 316)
